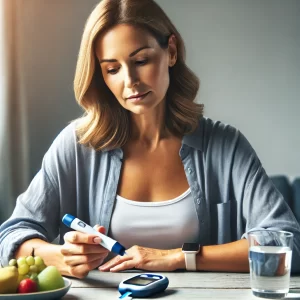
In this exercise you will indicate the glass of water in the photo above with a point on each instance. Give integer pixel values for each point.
(270, 256)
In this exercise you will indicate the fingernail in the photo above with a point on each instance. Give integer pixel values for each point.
(97, 240)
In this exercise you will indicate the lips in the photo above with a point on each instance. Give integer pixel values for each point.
(137, 96)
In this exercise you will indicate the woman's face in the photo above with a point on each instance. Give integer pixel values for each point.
(134, 66)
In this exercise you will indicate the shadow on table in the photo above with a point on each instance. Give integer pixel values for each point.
(96, 283)
(70, 297)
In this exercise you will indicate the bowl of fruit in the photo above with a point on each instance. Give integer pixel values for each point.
(30, 279)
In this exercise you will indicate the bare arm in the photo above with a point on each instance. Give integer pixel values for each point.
(50, 253)
(231, 257)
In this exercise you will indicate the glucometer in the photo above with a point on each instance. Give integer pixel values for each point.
(107, 242)
(143, 285)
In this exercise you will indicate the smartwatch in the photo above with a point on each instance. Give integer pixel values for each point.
(190, 251)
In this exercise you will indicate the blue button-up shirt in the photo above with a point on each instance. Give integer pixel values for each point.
(232, 193)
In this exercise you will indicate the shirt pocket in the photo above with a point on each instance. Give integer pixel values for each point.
(221, 218)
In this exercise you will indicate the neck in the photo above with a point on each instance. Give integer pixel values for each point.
(149, 129)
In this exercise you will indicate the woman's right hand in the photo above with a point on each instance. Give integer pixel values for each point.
(79, 254)
(82, 253)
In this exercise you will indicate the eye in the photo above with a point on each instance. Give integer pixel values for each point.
(141, 62)
(112, 71)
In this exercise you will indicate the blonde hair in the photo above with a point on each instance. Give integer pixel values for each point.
(105, 124)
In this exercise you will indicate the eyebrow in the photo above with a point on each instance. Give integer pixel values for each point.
(130, 55)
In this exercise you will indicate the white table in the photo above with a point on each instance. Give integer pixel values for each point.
(183, 285)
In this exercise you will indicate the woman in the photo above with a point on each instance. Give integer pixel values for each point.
(143, 162)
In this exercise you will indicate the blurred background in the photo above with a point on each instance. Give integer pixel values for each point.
(246, 54)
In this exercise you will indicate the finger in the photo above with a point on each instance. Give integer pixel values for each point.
(114, 262)
(81, 271)
(82, 249)
(100, 229)
(74, 260)
(76, 237)
(129, 264)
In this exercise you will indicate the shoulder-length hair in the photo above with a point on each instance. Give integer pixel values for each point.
(105, 124)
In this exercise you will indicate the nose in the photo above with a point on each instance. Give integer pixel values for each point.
(130, 77)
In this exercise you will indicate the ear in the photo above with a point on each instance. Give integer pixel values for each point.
(172, 48)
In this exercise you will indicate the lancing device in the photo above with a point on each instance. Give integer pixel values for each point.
(106, 241)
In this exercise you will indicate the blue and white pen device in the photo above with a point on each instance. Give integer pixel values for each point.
(106, 241)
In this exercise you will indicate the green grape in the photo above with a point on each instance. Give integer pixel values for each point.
(23, 269)
(41, 268)
(38, 260)
(33, 269)
(30, 260)
(21, 261)
(13, 262)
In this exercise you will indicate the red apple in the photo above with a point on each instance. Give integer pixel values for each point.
(27, 285)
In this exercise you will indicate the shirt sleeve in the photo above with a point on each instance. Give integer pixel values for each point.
(37, 210)
(263, 207)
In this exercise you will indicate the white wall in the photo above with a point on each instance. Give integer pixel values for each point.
(246, 53)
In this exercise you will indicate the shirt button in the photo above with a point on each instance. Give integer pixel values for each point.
(198, 201)
(190, 170)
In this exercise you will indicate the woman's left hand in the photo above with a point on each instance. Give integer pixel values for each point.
(146, 259)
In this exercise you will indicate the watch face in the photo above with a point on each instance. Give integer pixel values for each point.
(190, 247)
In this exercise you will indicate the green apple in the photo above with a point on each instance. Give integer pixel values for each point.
(50, 279)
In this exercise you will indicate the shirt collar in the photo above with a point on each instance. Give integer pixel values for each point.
(195, 139)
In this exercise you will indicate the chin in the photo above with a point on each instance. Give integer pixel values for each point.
(139, 110)
(145, 107)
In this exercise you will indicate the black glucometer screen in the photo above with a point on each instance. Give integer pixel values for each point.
(140, 280)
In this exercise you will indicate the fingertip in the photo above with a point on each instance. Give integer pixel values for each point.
(97, 240)
(71, 236)
(99, 228)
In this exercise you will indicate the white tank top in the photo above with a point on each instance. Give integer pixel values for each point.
(162, 225)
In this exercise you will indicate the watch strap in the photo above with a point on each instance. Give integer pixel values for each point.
(190, 261)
